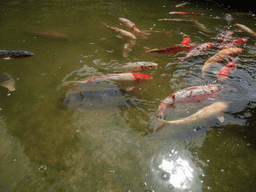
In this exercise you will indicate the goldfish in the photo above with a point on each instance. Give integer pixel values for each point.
(182, 13)
(121, 33)
(51, 34)
(17, 54)
(196, 51)
(192, 94)
(246, 29)
(235, 43)
(227, 70)
(221, 56)
(214, 110)
(173, 49)
(7, 81)
(133, 67)
(133, 28)
(131, 79)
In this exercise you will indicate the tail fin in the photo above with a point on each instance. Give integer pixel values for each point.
(142, 35)
(157, 124)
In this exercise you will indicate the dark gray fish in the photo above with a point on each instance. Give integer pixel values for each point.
(92, 99)
(7, 81)
(17, 54)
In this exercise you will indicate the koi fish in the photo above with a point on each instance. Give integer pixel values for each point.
(228, 18)
(224, 36)
(7, 81)
(182, 4)
(51, 34)
(121, 33)
(246, 29)
(196, 51)
(192, 94)
(214, 110)
(17, 54)
(186, 40)
(235, 43)
(175, 20)
(133, 28)
(132, 67)
(131, 79)
(200, 26)
(226, 71)
(221, 56)
(173, 49)
(182, 13)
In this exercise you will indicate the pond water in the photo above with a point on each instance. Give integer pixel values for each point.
(104, 142)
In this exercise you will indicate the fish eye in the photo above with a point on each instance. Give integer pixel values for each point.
(150, 66)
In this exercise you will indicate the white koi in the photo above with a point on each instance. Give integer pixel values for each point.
(133, 28)
(214, 110)
(246, 29)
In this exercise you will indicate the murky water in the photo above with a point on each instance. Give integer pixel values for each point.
(102, 142)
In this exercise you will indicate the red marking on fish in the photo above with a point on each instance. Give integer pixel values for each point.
(235, 43)
(186, 41)
(190, 95)
(173, 49)
(227, 70)
(140, 76)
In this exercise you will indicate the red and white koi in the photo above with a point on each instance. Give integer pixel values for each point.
(121, 33)
(214, 110)
(133, 28)
(235, 43)
(182, 13)
(197, 51)
(130, 79)
(192, 94)
(171, 50)
(226, 71)
(221, 56)
(246, 29)
(224, 36)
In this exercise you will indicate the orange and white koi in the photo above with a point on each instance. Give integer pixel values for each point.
(133, 28)
(16, 54)
(212, 111)
(173, 49)
(235, 43)
(196, 51)
(192, 94)
(221, 56)
(246, 29)
(226, 71)
(121, 33)
(182, 13)
(131, 79)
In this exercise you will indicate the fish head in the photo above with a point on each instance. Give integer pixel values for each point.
(140, 77)
(209, 45)
(149, 66)
(231, 65)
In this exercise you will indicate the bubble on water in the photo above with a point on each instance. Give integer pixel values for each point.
(166, 176)
(42, 168)
(14, 160)
(170, 186)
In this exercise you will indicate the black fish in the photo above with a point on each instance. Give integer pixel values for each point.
(15, 54)
(92, 98)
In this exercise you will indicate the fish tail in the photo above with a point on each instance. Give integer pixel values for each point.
(104, 24)
(142, 35)
(148, 49)
(157, 124)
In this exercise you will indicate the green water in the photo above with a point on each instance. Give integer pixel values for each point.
(106, 146)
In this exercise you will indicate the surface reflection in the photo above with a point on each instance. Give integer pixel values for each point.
(175, 170)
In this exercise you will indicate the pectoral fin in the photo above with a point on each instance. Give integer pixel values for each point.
(221, 119)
